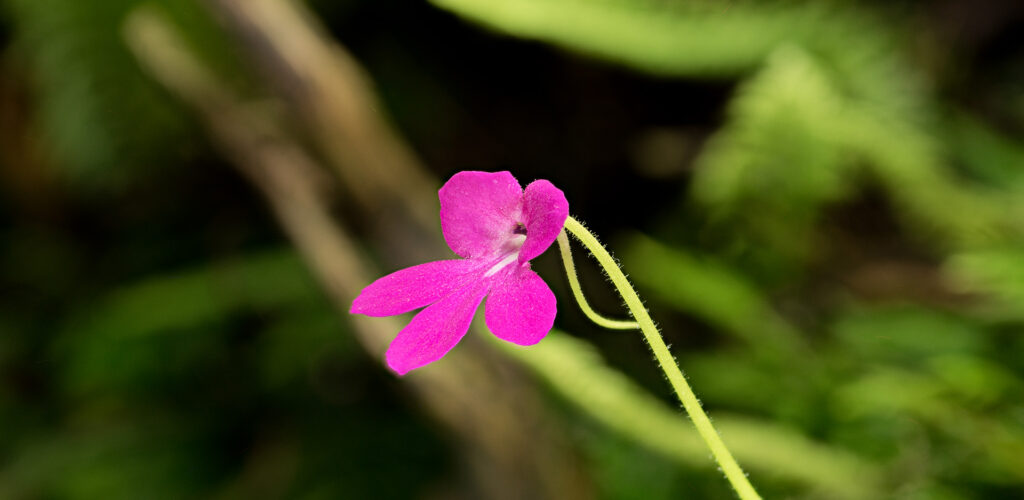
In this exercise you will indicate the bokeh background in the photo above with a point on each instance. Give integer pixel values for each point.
(821, 202)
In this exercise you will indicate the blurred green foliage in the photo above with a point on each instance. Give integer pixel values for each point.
(157, 386)
(840, 267)
(104, 122)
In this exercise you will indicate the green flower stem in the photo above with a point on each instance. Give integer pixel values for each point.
(577, 291)
(732, 470)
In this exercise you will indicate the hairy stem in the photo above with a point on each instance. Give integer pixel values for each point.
(577, 291)
(732, 470)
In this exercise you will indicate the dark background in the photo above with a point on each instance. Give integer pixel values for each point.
(159, 336)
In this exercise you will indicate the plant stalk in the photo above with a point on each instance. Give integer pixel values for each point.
(700, 419)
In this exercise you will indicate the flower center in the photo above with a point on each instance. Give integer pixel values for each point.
(510, 251)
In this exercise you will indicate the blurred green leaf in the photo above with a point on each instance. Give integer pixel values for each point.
(710, 290)
(165, 327)
(658, 37)
(975, 380)
(997, 271)
(578, 374)
(990, 156)
(906, 334)
(195, 296)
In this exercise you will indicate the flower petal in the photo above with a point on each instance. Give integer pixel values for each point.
(479, 211)
(435, 330)
(413, 287)
(521, 308)
(544, 212)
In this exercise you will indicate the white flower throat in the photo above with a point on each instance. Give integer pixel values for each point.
(511, 247)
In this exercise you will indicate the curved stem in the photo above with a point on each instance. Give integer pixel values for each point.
(577, 291)
(732, 470)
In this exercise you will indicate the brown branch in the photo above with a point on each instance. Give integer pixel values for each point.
(332, 96)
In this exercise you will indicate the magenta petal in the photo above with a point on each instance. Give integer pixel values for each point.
(520, 309)
(479, 210)
(435, 330)
(544, 212)
(414, 287)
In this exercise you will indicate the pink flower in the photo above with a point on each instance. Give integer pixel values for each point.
(497, 227)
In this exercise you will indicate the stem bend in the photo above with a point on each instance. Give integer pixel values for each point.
(577, 291)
